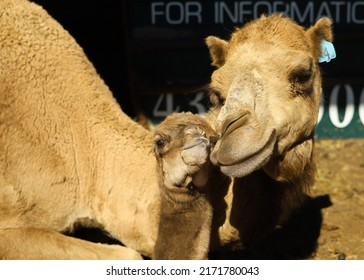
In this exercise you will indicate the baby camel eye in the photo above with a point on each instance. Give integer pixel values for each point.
(160, 143)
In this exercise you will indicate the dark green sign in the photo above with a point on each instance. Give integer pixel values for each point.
(342, 112)
(169, 61)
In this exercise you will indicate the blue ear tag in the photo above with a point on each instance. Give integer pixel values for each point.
(327, 51)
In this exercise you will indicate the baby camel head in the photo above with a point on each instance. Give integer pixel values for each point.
(266, 93)
(182, 148)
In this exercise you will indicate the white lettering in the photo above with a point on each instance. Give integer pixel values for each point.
(158, 112)
(193, 9)
(257, 12)
(155, 13)
(243, 10)
(348, 14)
(181, 12)
(307, 13)
(216, 9)
(196, 103)
(277, 9)
(321, 109)
(224, 8)
(177, 12)
(324, 10)
(337, 5)
(333, 107)
(361, 106)
(165, 105)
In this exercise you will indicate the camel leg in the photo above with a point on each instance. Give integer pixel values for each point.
(31, 243)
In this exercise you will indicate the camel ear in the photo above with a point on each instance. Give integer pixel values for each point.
(218, 50)
(321, 30)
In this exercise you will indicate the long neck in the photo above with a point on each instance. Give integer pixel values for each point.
(125, 190)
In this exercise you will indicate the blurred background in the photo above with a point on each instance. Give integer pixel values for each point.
(152, 54)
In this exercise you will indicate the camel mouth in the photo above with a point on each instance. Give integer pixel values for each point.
(203, 142)
(252, 162)
(196, 152)
(244, 147)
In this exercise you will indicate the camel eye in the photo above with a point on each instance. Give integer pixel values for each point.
(216, 98)
(160, 143)
(302, 76)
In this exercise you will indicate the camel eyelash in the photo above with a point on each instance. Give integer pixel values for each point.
(160, 143)
(301, 76)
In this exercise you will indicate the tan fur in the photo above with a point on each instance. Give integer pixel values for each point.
(69, 155)
(35, 243)
(182, 147)
(266, 94)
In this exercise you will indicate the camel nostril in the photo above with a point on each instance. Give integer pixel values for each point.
(206, 141)
(226, 123)
(200, 141)
(230, 126)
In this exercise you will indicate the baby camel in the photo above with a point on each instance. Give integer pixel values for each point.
(182, 147)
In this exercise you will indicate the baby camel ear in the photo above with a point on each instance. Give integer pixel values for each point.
(218, 50)
(321, 30)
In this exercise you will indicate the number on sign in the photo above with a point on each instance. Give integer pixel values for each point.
(159, 112)
(165, 105)
(197, 103)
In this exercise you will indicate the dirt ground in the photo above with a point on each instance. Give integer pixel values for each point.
(340, 179)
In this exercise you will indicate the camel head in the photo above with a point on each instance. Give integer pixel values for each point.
(266, 93)
(182, 148)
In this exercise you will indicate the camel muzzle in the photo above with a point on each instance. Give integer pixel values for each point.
(246, 145)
